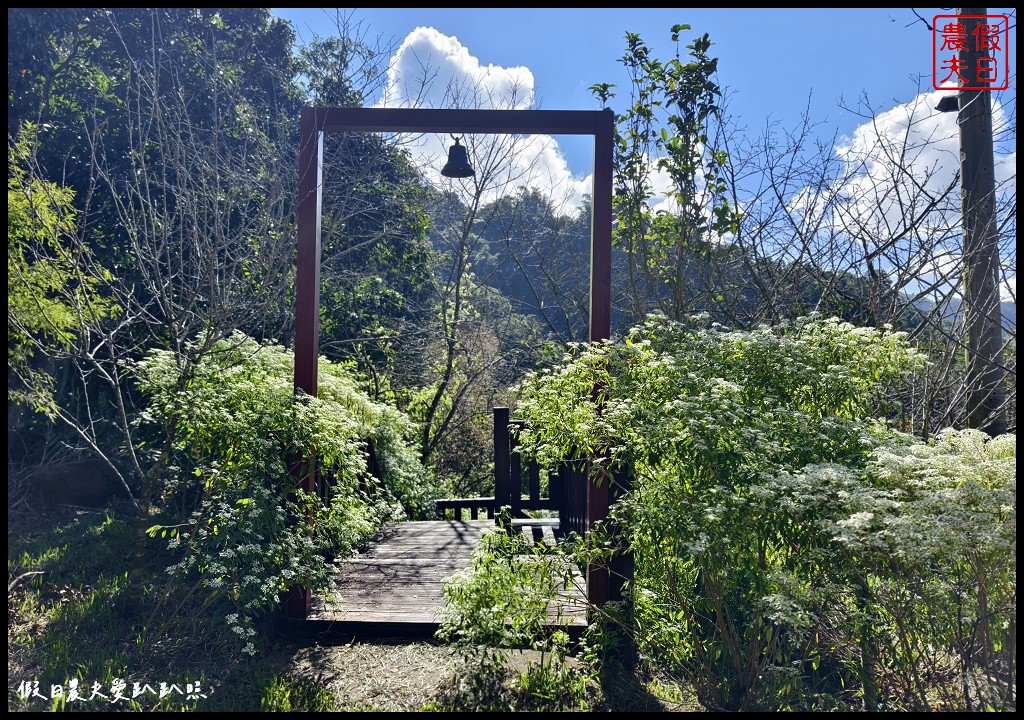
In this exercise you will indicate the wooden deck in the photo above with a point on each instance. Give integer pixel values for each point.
(394, 589)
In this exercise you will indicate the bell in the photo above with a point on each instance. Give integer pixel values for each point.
(458, 162)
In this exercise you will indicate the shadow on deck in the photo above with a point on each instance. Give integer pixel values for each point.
(394, 589)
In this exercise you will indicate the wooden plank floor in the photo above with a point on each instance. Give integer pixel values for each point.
(394, 589)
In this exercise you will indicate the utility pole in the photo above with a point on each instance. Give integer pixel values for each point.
(981, 311)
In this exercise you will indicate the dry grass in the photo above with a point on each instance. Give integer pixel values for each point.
(392, 676)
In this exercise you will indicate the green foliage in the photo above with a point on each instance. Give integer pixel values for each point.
(760, 474)
(482, 346)
(732, 404)
(500, 602)
(940, 565)
(297, 694)
(552, 684)
(668, 128)
(71, 624)
(525, 231)
(73, 66)
(375, 268)
(240, 426)
(166, 126)
(50, 295)
(376, 257)
(502, 598)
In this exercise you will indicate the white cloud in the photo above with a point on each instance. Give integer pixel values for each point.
(434, 70)
(1006, 172)
(898, 194)
(901, 161)
(905, 158)
(1008, 289)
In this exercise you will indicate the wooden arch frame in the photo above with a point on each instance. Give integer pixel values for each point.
(317, 121)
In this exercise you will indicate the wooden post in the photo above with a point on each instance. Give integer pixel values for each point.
(515, 472)
(557, 488)
(555, 495)
(307, 271)
(600, 317)
(502, 464)
(307, 307)
(533, 475)
(622, 565)
(601, 229)
(598, 502)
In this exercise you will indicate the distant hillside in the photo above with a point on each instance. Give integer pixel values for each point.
(1009, 315)
(1008, 309)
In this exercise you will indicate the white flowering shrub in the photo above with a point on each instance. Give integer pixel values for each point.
(238, 427)
(940, 571)
(760, 483)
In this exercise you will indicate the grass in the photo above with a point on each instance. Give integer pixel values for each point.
(77, 633)
(297, 694)
(78, 625)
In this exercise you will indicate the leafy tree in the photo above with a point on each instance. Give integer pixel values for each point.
(50, 299)
(375, 261)
(479, 344)
(535, 256)
(767, 227)
(459, 356)
(173, 152)
(667, 131)
(376, 256)
(81, 65)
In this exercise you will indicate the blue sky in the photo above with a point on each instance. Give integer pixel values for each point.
(774, 61)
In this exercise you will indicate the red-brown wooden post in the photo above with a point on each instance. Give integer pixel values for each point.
(622, 565)
(598, 590)
(307, 305)
(307, 272)
(601, 229)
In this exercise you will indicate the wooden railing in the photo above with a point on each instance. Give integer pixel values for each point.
(519, 484)
(519, 487)
(327, 479)
(454, 508)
